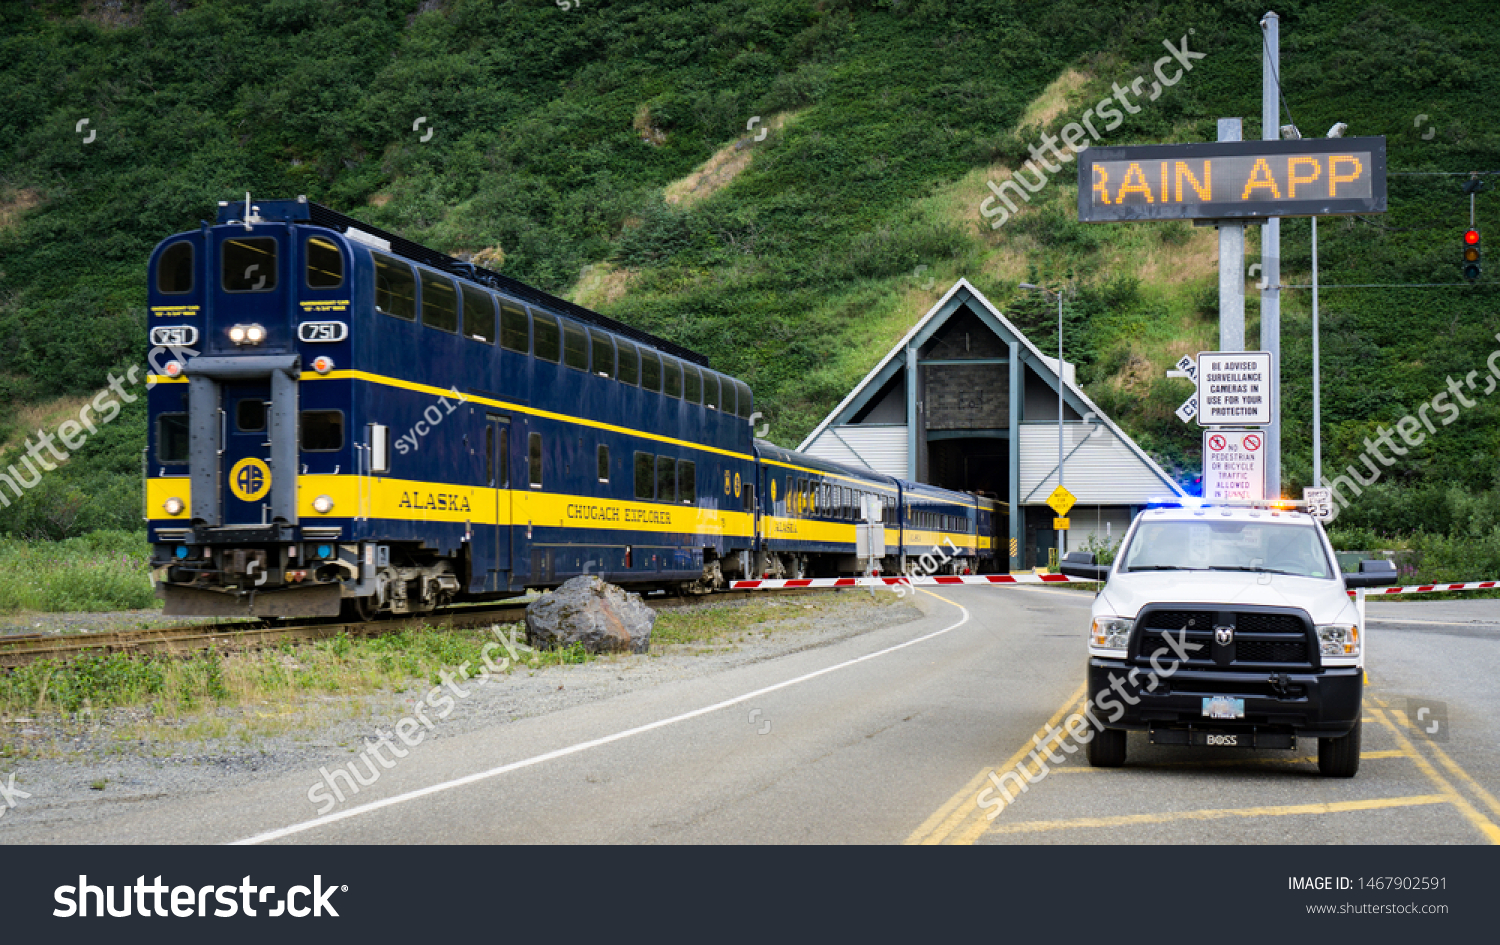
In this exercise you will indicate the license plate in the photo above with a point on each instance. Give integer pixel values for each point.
(1223, 707)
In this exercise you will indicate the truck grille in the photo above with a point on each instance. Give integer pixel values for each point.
(1264, 639)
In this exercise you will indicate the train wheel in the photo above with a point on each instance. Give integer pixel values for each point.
(363, 609)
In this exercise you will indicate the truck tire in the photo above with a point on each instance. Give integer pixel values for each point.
(1107, 748)
(1339, 757)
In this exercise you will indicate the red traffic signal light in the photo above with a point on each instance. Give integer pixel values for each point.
(1471, 255)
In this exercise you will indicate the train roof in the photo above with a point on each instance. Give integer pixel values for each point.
(302, 210)
(770, 451)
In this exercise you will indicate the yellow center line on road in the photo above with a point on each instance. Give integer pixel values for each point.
(947, 818)
(1126, 820)
(1484, 825)
(1455, 769)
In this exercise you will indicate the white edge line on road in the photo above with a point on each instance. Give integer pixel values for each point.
(585, 746)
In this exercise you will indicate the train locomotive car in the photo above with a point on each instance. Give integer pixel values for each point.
(343, 421)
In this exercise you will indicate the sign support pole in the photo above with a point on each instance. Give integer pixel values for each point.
(1270, 255)
(1231, 265)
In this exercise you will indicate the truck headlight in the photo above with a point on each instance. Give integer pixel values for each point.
(1338, 639)
(1111, 633)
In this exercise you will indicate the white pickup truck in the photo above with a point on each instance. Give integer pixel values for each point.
(1227, 626)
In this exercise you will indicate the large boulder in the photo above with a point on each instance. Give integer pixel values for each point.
(586, 610)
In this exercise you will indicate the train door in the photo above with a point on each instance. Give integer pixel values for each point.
(245, 420)
(497, 477)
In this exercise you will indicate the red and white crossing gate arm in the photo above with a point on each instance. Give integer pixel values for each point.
(929, 580)
(939, 580)
(1429, 588)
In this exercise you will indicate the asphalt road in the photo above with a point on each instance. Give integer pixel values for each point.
(889, 737)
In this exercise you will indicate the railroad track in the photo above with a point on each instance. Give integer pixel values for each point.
(27, 648)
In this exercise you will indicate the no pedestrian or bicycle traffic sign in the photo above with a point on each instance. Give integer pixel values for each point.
(1234, 465)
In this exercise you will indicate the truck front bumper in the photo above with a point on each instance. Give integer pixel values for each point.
(1324, 704)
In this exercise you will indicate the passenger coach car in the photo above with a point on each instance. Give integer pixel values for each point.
(345, 420)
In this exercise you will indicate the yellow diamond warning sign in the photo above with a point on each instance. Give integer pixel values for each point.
(1061, 500)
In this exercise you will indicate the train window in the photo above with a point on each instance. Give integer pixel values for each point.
(687, 482)
(489, 454)
(629, 364)
(801, 496)
(603, 463)
(250, 415)
(747, 494)
(672, 376)
(479, 314)
(174, 270)
(575, 347)
(505, 457)
(711, 390)
(515, 328)
(395, 288)
(249, 264)
(742, 407)
(172, 438)
(725, 402)
(666, 479)
(548, 338)
(534, 458)
(325, 264)
(645, 476)
(604, 353)
(692, 386)
(439, 302)
(650, 370)
(322, 430)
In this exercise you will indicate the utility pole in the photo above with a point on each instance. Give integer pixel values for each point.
(1270, 251)
(1231, 264)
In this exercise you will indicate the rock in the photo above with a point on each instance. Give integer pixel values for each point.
(602, 617)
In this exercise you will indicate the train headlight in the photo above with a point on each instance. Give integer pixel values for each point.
(172, 368)
(322, 364)
(174, 506)
(247, 334)
(323, 505)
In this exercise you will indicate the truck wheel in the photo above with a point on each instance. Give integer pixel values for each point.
(1107, 748)
(1339, 757)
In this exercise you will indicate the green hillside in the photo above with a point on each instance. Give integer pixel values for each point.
(607, 151)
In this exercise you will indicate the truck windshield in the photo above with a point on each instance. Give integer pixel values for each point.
(1228, 546)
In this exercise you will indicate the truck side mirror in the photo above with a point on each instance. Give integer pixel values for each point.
(1081, 565)
(1375, 572)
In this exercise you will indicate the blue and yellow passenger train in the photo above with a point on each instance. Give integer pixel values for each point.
(345, 421)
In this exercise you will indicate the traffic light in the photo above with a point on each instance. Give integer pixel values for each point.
(1471, 255)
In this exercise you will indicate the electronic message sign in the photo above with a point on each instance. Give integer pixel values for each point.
(1227, 180)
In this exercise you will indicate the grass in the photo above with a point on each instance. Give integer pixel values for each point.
(105, 570)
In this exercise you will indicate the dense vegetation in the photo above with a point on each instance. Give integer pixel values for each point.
(556, 132)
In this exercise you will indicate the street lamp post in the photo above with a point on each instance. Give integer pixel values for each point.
(1062, 536)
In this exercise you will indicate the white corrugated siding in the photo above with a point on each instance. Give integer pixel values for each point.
(1101, 471)
(880, 449)
(1109, 522)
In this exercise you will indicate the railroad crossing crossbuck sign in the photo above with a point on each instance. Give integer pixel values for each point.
(1061, 501)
